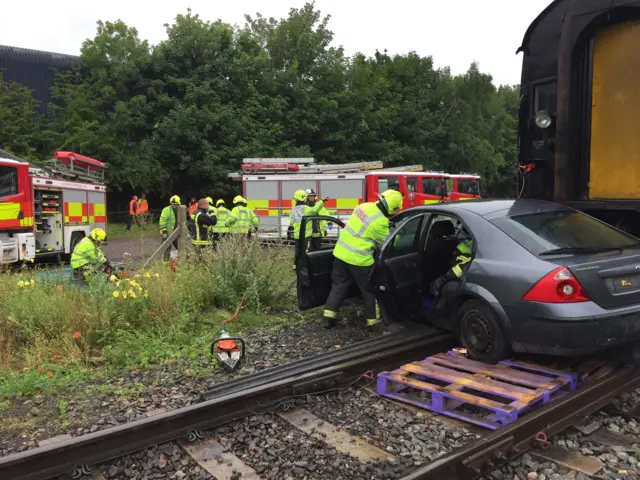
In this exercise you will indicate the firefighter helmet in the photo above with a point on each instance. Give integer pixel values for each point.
(219, 202)
(300, 196)
(392, 200)
(311, 192)
(98, 235)
(239, 199)
(209, 201)
(175, 199)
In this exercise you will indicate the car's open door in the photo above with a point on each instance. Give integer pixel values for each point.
(397, 277)
(313, 268)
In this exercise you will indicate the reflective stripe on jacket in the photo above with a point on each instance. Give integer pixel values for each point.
(202, 222)
(88, 254)
(366, 229)
(299, 211)
(221, 226)
(242, 219)
(168, 220)
(463, 257)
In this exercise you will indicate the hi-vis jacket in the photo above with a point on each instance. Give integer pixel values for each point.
(366, 229)
(304, 210)
(241, 220)
(87, 254)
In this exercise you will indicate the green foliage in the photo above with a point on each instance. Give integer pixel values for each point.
(178, 117)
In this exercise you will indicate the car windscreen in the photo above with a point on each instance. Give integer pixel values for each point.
(563, 231)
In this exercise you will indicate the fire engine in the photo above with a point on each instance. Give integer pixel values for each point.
(269, 184)
(45, 211)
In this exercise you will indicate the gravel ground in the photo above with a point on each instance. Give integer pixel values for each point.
(89, 407)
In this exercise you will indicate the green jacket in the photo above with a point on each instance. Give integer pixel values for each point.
(366, 229)
(295, 218)
(241, 220)
(87, 254)
(168, 220)
(223, 216)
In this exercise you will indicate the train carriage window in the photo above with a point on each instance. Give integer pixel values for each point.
(432, 186)
(8, 181)
(386, 183)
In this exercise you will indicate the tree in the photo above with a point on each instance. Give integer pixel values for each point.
(19, 122)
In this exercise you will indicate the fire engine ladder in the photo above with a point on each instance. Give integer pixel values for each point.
(74, 170)
(408, 168)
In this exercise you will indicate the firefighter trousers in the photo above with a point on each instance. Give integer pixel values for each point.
(316, 244)
(343, 276)
(298, 247)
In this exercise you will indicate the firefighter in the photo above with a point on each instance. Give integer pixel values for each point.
(143, 206)
(220, 229)
(319, 227)
(242, 220)
(365, 231)
(202, 223)
(213, 212)
(302, 208)
(460, 260)
(133, 211)
(87, 257)
(168, 222)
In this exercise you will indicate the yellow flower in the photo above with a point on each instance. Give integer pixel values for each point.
(147, 275)
(146, 294)
(113, 278)
(21, 284)
(32, 282)
(116, 294)
(156, 275)
(132, 283)
(132, 294)
(137, 275)
(124, 294)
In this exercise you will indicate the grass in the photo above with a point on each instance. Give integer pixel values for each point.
(119, 230)
(54, 333)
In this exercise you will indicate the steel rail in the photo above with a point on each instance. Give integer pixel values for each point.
(411, 333)
(61, 457)
(474, 460)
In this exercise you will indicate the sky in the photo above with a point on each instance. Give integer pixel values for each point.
(454, 32)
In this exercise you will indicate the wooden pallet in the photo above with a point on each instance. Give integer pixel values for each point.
(487, 395)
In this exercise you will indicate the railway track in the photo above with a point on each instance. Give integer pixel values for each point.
(234, 400)
(271, 395)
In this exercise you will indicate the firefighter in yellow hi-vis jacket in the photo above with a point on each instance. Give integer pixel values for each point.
(242, 220)
(460, 262)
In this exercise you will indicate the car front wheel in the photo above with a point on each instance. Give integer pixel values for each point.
(480, 333)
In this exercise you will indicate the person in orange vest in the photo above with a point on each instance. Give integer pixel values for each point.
(193, 206)
(143, 206)
(133, 211)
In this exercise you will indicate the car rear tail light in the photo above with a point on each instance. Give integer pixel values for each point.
(559, 286)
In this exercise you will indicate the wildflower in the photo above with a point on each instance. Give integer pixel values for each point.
(146, 294)
(124, 294)
(58, 288)
(41, 369)
(49, 373)
(26, 291)
(77, 335)
(132, 294)
(21, 284)
(156, 275)
(57, 357)
(32, 282)
(132, 283)
(133, 372)
(113, 278)
(147, 275)
(116, 294)
(151, 313)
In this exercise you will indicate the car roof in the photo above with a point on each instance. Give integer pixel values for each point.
(494, 207)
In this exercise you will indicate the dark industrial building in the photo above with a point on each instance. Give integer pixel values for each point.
(34, 69)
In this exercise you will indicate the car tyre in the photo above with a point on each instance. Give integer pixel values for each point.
(480, 333)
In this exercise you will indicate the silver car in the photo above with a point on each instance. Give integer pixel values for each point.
(544, 278)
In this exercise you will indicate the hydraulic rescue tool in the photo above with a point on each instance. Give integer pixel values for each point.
(228, 350)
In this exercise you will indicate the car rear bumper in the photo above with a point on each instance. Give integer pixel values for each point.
(575, 336)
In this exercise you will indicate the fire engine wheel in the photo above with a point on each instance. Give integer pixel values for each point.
(480, 333)
(75, 240)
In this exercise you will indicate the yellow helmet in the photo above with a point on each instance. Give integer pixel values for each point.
(219, 202)
(98, 235)
(300, 196)
(392, 199)
(209, 201)
(175, 199)
(239, 199)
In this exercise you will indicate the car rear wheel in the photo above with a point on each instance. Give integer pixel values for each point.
(480, 333)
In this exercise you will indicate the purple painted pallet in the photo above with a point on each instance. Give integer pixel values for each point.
(487, 395)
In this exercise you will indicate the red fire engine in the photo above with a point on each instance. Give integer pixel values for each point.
(269, 184)
(46, 211)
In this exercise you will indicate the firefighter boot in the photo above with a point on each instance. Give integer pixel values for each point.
(329, 322)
